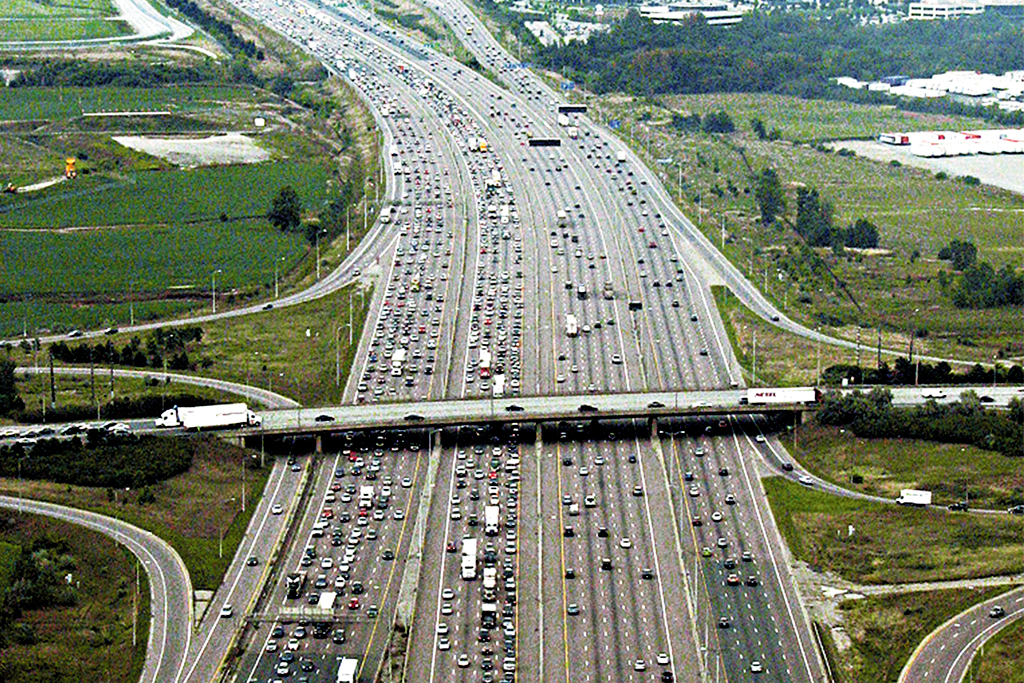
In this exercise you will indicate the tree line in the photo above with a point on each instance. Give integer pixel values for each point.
(76, 73)
(220, 28)
(170, 345)
(966, 421)
(100, 460)
(906, 372)
(978, 284)
(778, 51)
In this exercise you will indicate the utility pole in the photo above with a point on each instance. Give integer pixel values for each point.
(754, 363)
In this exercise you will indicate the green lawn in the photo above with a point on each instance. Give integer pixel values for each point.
(882, 467)
(891, 544)
(1002, 659)
(8, 556)
(14, 9)
(885, 630)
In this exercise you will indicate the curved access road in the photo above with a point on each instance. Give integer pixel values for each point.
(170, 588)
(945, 654)
(268, 398)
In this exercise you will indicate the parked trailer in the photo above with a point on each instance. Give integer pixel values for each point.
(783, 395)
(210, 417)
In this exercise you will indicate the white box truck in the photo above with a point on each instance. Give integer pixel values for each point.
(491, 520)
(573, 132)
(209, 417)
(326, 601)
(621, 157)
(914, 497)
(348, 669)
(469, 559)
(366, 497)
(782, 395)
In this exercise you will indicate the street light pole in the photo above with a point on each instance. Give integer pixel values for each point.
(213, 296)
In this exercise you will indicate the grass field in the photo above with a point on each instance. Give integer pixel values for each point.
(916, 213)
(40, 103)
(52, 28)
(884, 466)
(191, 510)
(783, 359)
(77, 391)
(817, 120)
(273, 349)
(1002, 658)
(37, 315)
(8, 556)
(90, 641)
(891, 544)
(885, 630)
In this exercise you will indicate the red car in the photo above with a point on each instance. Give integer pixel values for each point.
(328, 513)
(353, 603)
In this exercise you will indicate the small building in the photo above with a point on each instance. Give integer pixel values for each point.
(928, 10)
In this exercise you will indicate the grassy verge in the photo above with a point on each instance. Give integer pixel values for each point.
(192, 511)
(896, 290)
(90, 641)
(885, 630)
(1002, 659)
(783, 359)
(882, 467)
(292, 351)
(890, 544)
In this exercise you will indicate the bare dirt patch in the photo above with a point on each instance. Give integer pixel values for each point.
(188, 152)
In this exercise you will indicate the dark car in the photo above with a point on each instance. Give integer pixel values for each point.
(959, 506)
(514, 408)
(587, 408)
(413, 417)
(997, 612)
(655, 404)
(324, 418)
(251, 561)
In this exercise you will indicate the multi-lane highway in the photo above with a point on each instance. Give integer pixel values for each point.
(535, 270)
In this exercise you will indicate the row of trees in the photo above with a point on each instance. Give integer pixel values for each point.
(162, 345)
(966, 421)
(222, 29)
(101, 460)
(815, 216)
(715, 122)
(778, 51)
(51, 73)
(907, 372)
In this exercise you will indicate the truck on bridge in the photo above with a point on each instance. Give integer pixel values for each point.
(348, 669)
(762, 396)
(209, 417)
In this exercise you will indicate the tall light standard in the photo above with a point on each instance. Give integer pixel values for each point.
(213, 296)
(277, 263)
(317, 240)
(337, 355)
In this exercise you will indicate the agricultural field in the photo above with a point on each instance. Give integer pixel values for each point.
(90, 640)
(892, 544)
(895, 287)
(33, 20)
(137, 226)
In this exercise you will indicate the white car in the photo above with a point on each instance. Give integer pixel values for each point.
(625, 543)
(326, 563)
(277, 509)
(755, 667)
(639, 665)
(226, 612)
(662, 658)
(442, 629)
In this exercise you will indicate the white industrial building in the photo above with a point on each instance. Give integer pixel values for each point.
(943, 9)
(959, 143)
(716, 13)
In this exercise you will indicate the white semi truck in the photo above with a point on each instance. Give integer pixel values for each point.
(762, 396)
(209, 417)
(348, 669)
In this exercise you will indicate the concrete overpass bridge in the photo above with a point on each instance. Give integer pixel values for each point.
(439, 414)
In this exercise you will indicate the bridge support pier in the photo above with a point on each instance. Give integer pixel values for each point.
(319, 449)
